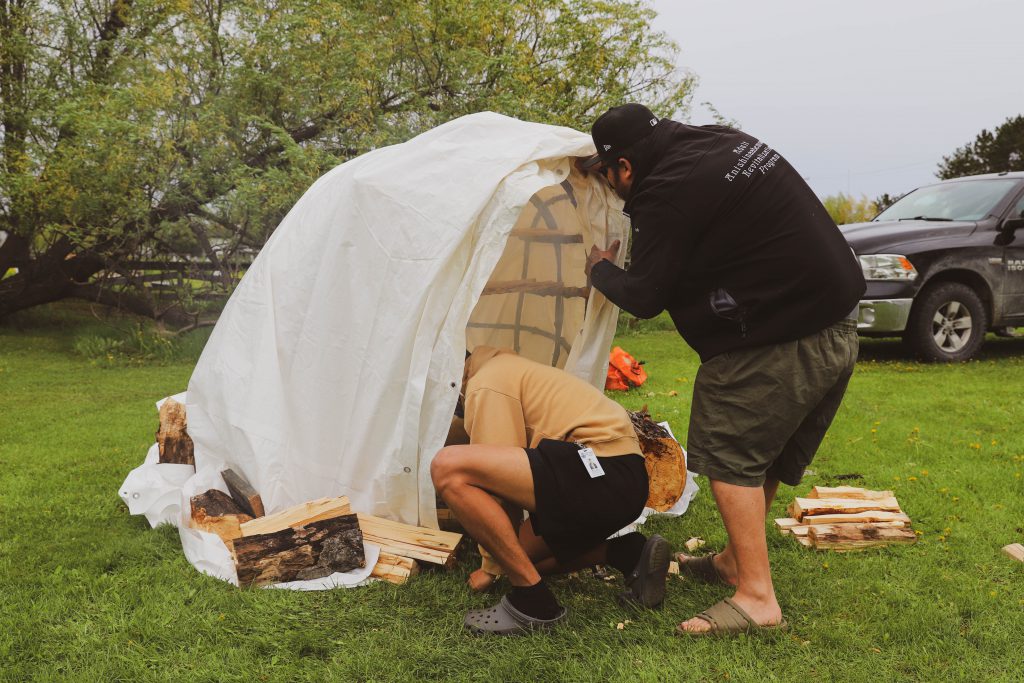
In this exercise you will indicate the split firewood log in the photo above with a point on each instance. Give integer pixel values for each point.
(172, 436)
(663, 457)
(311, 551)
(216, 512)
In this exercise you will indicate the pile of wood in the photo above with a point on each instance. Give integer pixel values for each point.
(846, 518)
(307, 541)
(313, 539)
(664, 459)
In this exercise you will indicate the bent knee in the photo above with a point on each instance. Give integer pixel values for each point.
(444, 468)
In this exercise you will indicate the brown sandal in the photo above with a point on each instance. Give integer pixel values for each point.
(728, 619)
(702, 568)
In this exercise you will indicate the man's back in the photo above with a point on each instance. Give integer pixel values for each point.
(732, 242)
(512, 400)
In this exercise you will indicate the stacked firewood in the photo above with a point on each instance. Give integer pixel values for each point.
(307, 541)
(846, 518)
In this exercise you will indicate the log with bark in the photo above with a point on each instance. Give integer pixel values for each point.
(664, 460)
(310, 551)
(172, 437)
(216, 512)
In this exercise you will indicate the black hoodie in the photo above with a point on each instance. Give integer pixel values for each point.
(730, 240)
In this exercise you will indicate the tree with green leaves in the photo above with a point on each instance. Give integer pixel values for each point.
(844, 208)
(135, 132)
(990, 152)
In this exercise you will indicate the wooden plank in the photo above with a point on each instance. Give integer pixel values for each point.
(395, 568)
(311, 551)
(395, 575)
(856, 536)
(547, 236)
(848, 492)
(786, 524)
(303, 513)
(416, 552)
(530, 286)
(173, 441)
(407, 533)
(820, 506)
(804, 529)
(397, 561)
(858, 517)
(243, 493)
(1015, 550)
(216, 512)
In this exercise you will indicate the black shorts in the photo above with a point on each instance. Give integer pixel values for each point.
(576, 512)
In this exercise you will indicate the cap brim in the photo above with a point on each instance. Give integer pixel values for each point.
(592, 161)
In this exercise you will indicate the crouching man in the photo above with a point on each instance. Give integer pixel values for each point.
(547, 442)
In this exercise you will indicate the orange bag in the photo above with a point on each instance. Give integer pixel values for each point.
(624, 372)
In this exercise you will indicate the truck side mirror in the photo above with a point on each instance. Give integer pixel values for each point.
(1006, 231)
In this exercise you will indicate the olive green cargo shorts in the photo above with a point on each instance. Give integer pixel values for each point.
(762, 412)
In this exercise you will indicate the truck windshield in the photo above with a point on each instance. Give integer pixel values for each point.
(970, 200)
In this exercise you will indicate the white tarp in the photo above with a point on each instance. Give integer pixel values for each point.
(335, 367)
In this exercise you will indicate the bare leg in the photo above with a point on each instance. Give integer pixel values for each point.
(466, 477)
(743, 513)
(725, 561)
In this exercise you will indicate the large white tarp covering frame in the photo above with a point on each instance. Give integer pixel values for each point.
(336, 365)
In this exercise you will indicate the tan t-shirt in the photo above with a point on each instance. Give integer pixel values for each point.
(513, 401)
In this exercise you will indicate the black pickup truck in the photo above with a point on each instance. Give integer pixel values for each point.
(944, 265)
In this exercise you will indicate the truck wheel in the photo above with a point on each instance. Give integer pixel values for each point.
(947, 323)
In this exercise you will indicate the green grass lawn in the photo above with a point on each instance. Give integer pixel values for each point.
(89, 593)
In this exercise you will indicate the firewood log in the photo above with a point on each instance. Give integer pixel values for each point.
(216, 512)
(172, 437)
(311, 551)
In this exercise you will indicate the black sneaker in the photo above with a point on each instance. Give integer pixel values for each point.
(645, 585)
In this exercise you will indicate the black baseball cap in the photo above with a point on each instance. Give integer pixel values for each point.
(617, 129)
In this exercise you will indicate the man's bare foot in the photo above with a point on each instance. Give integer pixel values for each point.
(480, 580)
(762, 612)
(724, 564)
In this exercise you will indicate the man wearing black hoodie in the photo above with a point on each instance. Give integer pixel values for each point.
(729, 239)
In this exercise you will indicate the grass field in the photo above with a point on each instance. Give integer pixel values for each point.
(89, 593)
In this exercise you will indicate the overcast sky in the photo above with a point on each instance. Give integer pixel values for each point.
(862, 97)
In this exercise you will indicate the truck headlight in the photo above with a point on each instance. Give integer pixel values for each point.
(887, 267)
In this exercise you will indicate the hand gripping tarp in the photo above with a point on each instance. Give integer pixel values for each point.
(336, 365)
